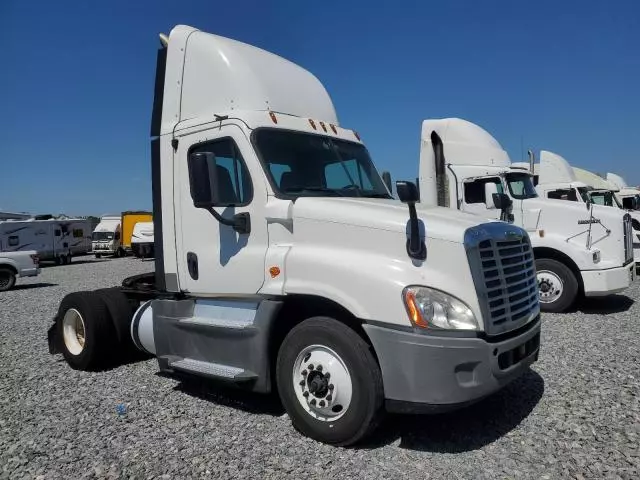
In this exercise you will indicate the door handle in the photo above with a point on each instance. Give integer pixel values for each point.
(192, 265)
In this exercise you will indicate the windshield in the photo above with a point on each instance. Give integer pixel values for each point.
(604, 198)
(102, 236)
(304, 164)
(520, 186)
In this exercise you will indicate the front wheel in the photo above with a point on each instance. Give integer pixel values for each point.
(329, 382)
(557, 284)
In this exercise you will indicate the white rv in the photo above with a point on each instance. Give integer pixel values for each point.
(578, 250)
(142, 239)
(555, 178)
(107, 237)
(282, 263)
(52, 239)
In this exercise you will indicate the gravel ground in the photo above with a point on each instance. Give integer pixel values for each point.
(576, 414)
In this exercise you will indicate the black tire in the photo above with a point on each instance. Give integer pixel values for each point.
(99, 333)
(69, 259)
(569, 285)
(7, 279)
(366, 408)
(121, 311)
(98, 255)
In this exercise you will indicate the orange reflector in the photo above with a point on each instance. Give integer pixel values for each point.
(273, 117)
(333, 127)
(274, 272)
(414, 311)
(312, 123)
(323, 127)
(541, 233)
(356, 134)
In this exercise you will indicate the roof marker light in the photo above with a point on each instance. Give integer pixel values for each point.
(312, 123)
(333, 127)
(356, 134)
(273, 117)
(323, 127)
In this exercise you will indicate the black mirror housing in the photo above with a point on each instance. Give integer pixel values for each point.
(502, 201)
(407, 191)
(203, 179)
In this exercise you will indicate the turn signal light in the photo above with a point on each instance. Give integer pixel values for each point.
(273, 117)
(274, 272)
(414, 311)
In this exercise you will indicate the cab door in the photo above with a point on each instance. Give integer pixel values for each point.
(213, 258)
(474, 200)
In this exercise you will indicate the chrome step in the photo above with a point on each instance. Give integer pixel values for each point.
(212, 369)
(235, 324)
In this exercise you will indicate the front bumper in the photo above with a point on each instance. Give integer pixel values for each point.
(30, 272)
(598, 283)
(423, 373)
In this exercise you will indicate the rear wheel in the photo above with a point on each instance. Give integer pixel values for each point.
(86, 331)
(329, 382)
(557, 284)
(7, 279)
(98, 255)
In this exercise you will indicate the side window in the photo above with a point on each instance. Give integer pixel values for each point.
(78, 233)
(474, 191)
(278, 170)
(343, 174)
(14, 240)
(234, 183)
(563, 194)
(57, 232)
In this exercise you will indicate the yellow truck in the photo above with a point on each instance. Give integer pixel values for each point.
(127, 222)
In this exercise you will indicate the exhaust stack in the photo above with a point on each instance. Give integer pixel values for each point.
(441, 175)
(532, 159)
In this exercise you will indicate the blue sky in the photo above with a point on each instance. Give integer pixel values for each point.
(77, 78)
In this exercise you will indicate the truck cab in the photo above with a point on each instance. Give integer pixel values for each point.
(282, 262)
(578, 250)
(107, 237)
(555, 178)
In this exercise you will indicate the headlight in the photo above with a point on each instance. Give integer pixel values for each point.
(430, 308)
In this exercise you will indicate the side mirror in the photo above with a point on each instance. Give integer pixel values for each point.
(407, 192)
(490, 189)
(203, 179)
(502, 201)
(386, 178)
(628, 203)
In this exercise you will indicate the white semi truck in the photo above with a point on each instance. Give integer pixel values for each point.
(555, 178)
(578, 250)
(628, 196)
(282, 263)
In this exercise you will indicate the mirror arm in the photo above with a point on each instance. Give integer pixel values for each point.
(241, 222)
(415, 247)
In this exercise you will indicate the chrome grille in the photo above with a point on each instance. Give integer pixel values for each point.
(503, 268)
(628, 238)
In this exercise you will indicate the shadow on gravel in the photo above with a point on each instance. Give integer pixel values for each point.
(48, 264)
(29, 286)
(467, 429)
(606, 305)
(221, 394)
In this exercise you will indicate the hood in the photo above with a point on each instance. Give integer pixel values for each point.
(386, 214)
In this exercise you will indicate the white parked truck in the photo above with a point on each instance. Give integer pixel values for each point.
(578, 250)
(142, 239)
(555, 178)
(628, 196)
(282, 263)
(107, 237)
(15, 265)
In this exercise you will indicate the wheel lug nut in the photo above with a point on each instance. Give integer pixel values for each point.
(329, 398)
(331, 387)
(313, 401)
(322, 404)
(319, 368)
(310, 367)
(304, 373)
(302, 382)
(305, 394)
(327, 375)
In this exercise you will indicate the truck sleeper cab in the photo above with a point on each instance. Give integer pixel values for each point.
(578, 251)
(283, 264)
